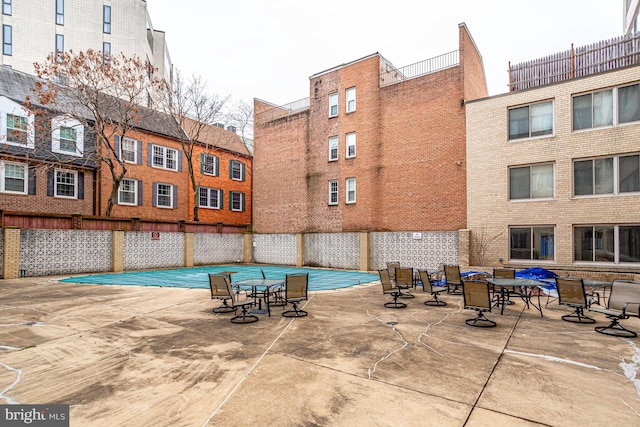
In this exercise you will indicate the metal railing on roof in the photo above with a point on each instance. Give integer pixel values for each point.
(283, 110)
(583, 61)
(394, 75)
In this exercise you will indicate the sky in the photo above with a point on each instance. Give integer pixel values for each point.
(268, 49)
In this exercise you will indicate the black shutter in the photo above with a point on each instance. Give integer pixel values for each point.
(80, 185)
(32, 180)
(50, 183)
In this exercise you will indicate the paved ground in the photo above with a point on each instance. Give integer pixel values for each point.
(143, 356)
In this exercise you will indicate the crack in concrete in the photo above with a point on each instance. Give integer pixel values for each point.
(3, 395)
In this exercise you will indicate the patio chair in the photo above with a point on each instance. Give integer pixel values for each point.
(506, 292)
(391, 267)
(277, 293)
(404, 281)
(218, 286)
(389, 289)
(571, 293)
(624, 302)
(453, 282)
(295, 291)
(428, 286)
(476, 297)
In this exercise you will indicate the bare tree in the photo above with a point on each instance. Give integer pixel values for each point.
(480, 242)
(104, 94)
(241, 116)
(194, 110)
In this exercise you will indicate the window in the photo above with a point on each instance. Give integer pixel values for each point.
(106, 19)
(210, 198)
(7, 42)
(128, 192)
(13, 178)
(106, 53)
(351, 145)
(531, 182)
(333, 104)
(351, 99)
(531, 120)
(129, 150)
(66, 183)
(210, 164)
(351, 190)
(164, 157)
(333, 148)
(67, 136)
(6, 7)
(60, 12)
(593, 110)
(237, 201)
(59, 46)
(532, 243)
(236, 170)
(17, 129)
(607, 243)
(163, 195)
(629, 103)
(597, 176)
(333, 192)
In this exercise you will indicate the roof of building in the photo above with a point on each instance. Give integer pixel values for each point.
(218, 138)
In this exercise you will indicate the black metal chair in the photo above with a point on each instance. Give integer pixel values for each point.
(506, 292)
(295, 291)
(453, 281)
(571, 293)
(624, 302)
(428, 286)
(404, 281)
(477, 297)
(391, 268)
(222, 289)
(389, 289)
(218, 286)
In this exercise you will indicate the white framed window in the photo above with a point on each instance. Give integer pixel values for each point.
(606, 243)
(351, 99)
(129, 150)
(210, 164)
(67, 136)
(607, 107)
(128, 192)
(531, 182)
(534, 243)
(164, 157)
(66, 183)
(210, 198)
(164, 195)
(350, 190)
(106, 19)
(236, 200)
(532, 120)
(333, 192)
(16, 124)
(236, 170)
(606, 175)
(333, 104)
(333, 148)
(351, 145)
(13, 177)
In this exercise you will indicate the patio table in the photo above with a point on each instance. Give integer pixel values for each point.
(264, 285)
(527, 286)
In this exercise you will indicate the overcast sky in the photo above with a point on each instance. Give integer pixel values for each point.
(268, 49)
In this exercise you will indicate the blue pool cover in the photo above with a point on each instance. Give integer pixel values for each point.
(197, 277)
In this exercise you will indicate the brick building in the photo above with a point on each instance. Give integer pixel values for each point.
(553, 166)
(374, 148)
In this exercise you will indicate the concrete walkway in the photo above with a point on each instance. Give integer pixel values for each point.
(145, 356)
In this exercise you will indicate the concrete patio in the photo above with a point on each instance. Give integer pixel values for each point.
(142, 356)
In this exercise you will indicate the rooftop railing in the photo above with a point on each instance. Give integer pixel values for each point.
(283, 110)
(576, 62)
(394, 75)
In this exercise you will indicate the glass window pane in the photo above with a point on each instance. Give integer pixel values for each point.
(628, 104)
(582, 112)
(519, 183)
(629, 243)
(603, 243)
(543, 243)
(520, 243)
(603, 173)
(14, 178)
(583, 177)
(519, 123)
(583, 244)
(629, 171)
(542, 181)
(603, 108)
(542, 119)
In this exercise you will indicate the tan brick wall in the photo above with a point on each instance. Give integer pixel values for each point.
(117, 250)
(11, 253)
(489, 154)
(188, 249)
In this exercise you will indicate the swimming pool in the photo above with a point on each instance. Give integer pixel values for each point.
(197, 277)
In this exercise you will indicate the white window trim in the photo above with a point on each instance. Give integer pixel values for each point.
(7, 106)
(348, 92)
(531, 199)
(616, 174)
(209, 190)
(135, 150)
(615, 109)
(3, 177)
(239, 164)
(330, 203)
(158, 205)
(350, 144)
(216, 165)
(347, 190)
(334, 138)
(337, 104)
(535, 261)
(231, 194)
(529, 138)
(135, 193)
(69, 122)
(616, 239)
(75, 184)
(165, 150)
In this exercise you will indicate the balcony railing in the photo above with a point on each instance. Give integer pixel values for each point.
(576, 62)
(283, 110)
(394, 75)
